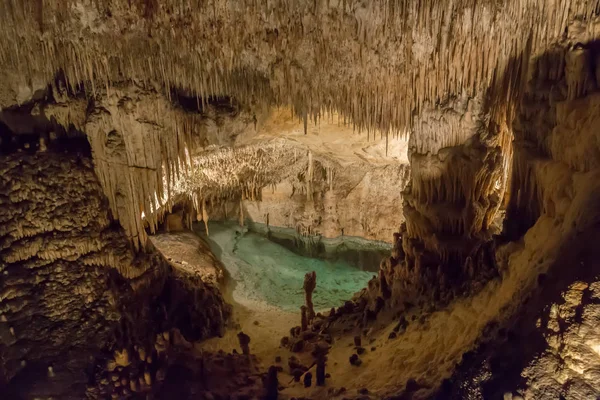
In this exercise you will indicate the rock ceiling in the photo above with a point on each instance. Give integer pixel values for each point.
(374, 62)
(380, 65)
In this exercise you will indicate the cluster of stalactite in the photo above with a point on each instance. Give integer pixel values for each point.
(141, 144)
(230, 173)
(362, 59)
(460, 161)
(359, 59)
(223, 178)
(133, 157)
(434, 68)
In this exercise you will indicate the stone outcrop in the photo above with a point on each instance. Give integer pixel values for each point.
(568, 367)
(60, 257)
(190, 256)
(70, 284)
(548, 348)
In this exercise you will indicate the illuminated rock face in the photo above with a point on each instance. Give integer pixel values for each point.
(557, 170)
(548, 348)
(459, 172)
(375, 62)
(363, 201)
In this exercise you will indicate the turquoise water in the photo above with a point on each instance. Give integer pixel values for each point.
(269, 274)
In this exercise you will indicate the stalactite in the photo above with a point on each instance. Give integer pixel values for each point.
(309, 177)
(205, 215)
(441, 67)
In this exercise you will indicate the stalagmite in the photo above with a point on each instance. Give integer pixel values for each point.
(205, 216)
(309, 177)
(272, 384)
(310, 282)
(321, 359)
(244, 341)
(241, 213)
(303, 318)
(384, 289)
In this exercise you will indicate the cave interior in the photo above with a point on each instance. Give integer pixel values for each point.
(291, 199)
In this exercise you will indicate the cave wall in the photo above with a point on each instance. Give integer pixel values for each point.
(71, 287)
(557, 162)
(460, 158)
(60, 256)
(548, 348)
(362, 201)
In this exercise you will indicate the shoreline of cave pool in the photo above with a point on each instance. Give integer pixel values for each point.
(267, 301)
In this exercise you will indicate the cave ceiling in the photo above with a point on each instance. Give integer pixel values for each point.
(376, 63)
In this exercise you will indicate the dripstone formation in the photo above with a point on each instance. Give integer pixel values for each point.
(464, 133)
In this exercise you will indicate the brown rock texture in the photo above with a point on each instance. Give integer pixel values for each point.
(60, 255)
(70, 282)
(364, 201)
(548, 349)
(190, 256)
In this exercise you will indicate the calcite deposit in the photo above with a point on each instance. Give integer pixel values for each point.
(71, 287)
(462, 132)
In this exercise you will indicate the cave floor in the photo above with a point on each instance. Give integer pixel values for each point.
(267, 323)
(265, 299)
(427, 351)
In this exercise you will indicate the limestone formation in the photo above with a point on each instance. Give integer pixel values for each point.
(119, 115)
(321, 370)
(272, 384)
(304, 318)
(64, 261)
(60, 242)
(310, 282)
(308, 379)
(244, 343)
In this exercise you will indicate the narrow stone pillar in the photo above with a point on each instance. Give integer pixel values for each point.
(310, 282)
